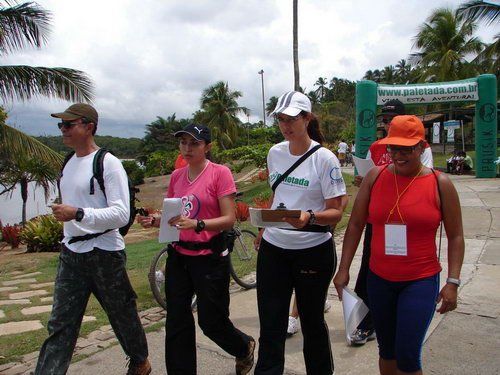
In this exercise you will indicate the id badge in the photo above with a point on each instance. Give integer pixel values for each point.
(395, 240)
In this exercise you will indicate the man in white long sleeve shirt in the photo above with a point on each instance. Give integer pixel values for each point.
(94, 263)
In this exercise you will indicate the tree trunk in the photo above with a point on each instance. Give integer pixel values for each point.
(24, 197)
(295, 48)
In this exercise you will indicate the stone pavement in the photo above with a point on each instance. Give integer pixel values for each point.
(465, 341)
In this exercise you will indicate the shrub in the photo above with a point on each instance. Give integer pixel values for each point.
(262, 200)
(134, 172)
(43, 233)
(10, 234)
(242, 212)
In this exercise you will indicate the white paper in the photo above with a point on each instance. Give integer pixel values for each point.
(355, 311)
(363, 165)
(171, 207)
(256, 220)
(395, 239)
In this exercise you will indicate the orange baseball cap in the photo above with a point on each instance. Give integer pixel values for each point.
(405, 130)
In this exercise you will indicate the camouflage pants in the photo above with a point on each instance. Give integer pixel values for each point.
(102, 273)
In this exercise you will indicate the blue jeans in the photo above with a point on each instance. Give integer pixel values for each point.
(402, 312)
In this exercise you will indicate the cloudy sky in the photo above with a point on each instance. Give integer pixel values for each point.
(154, 58)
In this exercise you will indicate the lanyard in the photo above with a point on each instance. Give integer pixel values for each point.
(396, 205)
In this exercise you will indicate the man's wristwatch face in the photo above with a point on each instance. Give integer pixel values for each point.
(79, 214)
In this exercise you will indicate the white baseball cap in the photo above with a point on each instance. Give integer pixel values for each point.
(292, 103)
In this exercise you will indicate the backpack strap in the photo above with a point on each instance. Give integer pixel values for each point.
(280, 179)
(98, 171)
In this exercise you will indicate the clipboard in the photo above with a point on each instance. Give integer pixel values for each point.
(277, 215)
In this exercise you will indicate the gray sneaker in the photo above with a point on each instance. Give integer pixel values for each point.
(361, 336)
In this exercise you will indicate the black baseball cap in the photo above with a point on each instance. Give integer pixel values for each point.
(197, 131)
(393, 107)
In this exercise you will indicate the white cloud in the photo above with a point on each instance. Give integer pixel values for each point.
(154, 58)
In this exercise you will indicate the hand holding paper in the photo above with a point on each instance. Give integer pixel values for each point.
(171, 207)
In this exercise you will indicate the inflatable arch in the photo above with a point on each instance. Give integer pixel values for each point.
(482, 90)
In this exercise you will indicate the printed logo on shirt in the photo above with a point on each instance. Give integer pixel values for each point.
(191, 206)
(292, 181)
(336, 176)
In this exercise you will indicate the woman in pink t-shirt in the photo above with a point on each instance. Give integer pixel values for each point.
(197, 263)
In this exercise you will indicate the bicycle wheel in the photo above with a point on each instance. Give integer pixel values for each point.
(243, 259)
(156, 277)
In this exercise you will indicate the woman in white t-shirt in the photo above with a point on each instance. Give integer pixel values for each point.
(301, 254)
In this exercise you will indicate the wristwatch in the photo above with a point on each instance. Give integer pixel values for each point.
(312, 219)
(200, 225)
(79, 214)
(451, 280)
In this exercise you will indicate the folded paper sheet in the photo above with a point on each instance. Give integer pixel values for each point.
(354, 312)
(171, 207)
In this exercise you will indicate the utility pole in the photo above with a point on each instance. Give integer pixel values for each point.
(263, 97)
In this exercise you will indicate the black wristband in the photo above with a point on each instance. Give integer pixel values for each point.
(312, 219)
(200, 225)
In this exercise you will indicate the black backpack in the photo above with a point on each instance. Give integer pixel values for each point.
(98, 175)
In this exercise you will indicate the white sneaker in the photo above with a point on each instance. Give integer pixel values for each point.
(328, 306)
(159, 277)
(293, 326)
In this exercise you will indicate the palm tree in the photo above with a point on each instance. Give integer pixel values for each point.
(271, 104)
(219, 111)
(296, 74)
(403, 70)
(26, 25)
(369, 75)
(444, 41)
(388, 74)
(479, 11)
(321, 90)
(377, 75)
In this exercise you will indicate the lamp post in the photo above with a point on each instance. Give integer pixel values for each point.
(263, 99)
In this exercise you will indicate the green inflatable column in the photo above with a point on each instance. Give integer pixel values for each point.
(486, 126)
(366, 121)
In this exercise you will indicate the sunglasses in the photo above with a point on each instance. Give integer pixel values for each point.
(404, 150)
(287, 119)
(70, 124)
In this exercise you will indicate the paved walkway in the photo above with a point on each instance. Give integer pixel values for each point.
(465, 341)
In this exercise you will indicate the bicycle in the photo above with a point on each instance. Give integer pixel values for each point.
(242, 264)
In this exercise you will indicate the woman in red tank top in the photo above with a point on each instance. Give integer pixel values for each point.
(405, 203)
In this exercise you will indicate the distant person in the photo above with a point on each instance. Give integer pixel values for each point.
(353, 148)
(300, 257)
(451, 162)
(405, 203)
(342, 150)
(380, 156)
(180, 162)
(92, 259)
(468, 163)
(463, 162)
(199, 262)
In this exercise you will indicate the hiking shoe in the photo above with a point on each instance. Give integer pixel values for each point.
(143, 368)
(293, 326)
(327, 307)
(361, 336)
(245, 364)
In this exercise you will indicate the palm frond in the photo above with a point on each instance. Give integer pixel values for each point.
(478, 10)
(25, 82)
(23, 25)
(14, 145)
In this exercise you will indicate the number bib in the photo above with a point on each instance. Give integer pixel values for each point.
(395, 240)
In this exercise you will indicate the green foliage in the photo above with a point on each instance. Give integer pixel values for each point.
(125, 148)
(43, 233)
(246, 155)
(134, 172)
(160, 163)
(159, 134)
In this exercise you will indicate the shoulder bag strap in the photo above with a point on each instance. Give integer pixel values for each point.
(440, 209)
(280, 179)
